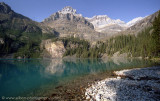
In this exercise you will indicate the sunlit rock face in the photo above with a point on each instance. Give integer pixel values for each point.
(55, 49)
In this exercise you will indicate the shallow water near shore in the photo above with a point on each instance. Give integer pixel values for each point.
(37, 77)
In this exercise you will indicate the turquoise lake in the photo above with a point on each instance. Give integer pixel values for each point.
(29, 77)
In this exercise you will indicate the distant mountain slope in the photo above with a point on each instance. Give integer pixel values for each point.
(12, 20)
(68, 23)
(18, 31)
(140, 25)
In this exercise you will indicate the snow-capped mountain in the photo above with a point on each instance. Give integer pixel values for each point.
(68, 21)
(102, 23)
(135, 20)
(103, 20)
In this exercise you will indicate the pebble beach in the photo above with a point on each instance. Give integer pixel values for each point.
(142, 84)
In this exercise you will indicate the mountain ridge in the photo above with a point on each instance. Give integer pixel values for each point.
(68, 23)
(66, 20)
(103, 23)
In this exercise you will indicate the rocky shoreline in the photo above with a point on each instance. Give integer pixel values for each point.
(142, 84)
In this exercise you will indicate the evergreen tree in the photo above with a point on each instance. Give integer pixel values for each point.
(156, 36)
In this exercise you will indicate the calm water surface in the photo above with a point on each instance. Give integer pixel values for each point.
(27, 77)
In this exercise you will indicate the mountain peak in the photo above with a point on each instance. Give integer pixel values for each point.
(4, 8)
(68, 9)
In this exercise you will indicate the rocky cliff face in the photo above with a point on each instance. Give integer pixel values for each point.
(4, 8)
(55, 49)
(68, 23)
(64, 15)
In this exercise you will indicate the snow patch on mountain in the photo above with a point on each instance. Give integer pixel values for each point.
(135, 20)
(104, 20)
(69, 10)
(101, 22)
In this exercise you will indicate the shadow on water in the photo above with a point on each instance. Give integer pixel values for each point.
(37, 76)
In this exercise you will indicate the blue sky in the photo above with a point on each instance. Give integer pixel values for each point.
(125, 10)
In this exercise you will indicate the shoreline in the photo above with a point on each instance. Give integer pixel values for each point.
(130, 84)
(75, 90)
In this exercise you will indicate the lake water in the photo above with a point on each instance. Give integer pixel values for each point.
(30, 77)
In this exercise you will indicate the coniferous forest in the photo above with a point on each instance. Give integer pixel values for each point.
(144, 44)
